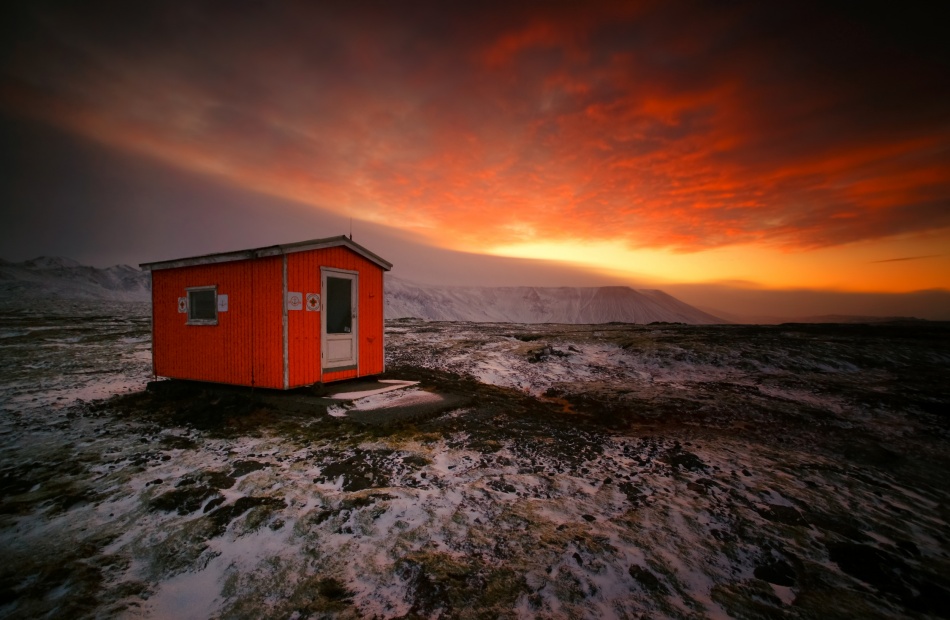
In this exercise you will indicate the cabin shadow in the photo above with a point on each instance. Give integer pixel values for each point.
(230, 411)
(219, 409)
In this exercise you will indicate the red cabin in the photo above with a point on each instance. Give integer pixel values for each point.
(283, 316)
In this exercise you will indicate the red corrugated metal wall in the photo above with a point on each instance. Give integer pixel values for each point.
(303, 276)
(245, 347)
(267, 356)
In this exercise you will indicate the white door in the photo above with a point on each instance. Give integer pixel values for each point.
(339, 320)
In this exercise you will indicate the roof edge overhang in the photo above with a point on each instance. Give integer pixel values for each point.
(271, 250)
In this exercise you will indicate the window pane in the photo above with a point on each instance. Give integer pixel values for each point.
(339, 311)
(203, 305)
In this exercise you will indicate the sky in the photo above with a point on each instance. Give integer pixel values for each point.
(754, 158)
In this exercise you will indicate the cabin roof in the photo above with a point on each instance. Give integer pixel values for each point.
(270, 250)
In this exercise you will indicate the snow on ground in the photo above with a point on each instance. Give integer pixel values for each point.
(72, 351)
(535, 362)
(703, 472)
(383, 399)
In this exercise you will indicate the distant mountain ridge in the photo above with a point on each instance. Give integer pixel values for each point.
(532, 304)
(63, 278)
(49, 277)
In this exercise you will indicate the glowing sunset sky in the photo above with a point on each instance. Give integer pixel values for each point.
(804, 147)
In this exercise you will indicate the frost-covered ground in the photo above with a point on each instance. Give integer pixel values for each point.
(604, 471)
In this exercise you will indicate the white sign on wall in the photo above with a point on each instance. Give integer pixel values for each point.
(295, 301)
(222, 303)
(313, 302)
(182, 305)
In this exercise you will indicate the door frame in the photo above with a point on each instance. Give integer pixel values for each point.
(354, 276)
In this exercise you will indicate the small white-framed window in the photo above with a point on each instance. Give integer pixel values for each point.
(202, 305)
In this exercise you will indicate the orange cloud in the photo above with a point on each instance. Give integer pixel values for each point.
(659, 126)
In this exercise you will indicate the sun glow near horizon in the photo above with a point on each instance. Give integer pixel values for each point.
(879, 267)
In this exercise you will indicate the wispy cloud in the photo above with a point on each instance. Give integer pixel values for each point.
(903, 258)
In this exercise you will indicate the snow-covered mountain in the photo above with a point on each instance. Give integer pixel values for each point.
(63, 278)
(530, 304)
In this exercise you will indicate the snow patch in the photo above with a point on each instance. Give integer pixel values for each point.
(392, 384)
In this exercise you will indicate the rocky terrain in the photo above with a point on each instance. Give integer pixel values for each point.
(625, 471)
